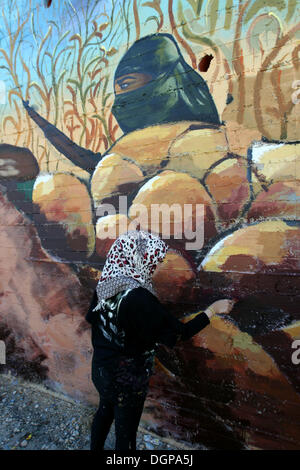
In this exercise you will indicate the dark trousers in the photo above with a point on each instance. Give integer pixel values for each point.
(127, 420)
(119, 402)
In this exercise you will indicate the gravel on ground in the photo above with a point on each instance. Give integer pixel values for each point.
(34, 417)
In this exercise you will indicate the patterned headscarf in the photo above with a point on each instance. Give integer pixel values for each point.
(130, 263)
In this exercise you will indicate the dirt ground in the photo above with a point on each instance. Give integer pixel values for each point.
(34, 417)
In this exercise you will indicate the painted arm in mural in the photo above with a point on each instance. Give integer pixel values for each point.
(85, 159)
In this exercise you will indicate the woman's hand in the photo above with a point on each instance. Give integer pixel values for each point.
(220, 306)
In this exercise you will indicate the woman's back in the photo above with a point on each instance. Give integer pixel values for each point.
(144, 322)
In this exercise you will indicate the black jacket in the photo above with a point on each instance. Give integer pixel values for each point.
(145, 322)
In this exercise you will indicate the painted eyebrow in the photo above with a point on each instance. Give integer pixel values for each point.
(118, 80)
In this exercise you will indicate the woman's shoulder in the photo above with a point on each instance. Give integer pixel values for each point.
(139, 298)
(141, 308)
(141, 293)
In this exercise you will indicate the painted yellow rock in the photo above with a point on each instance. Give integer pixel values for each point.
(281, 200)
(260, 247)
(113, 176)
(174, 278)
(66, 227)
(240, 138)
(108, 229)
(293, 330)
(224, 339)
(58, 163)
(195, 151)
(228, 185)
(231, 349)
(192, 207)
(227, 355)
(149, 147)
(277, 162)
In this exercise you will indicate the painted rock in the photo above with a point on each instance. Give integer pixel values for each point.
(114, 176)
(283, 344)
(282, 199)
(108, 229)
(174, 278)
(259, 247)
(193, 208)
(65, 220)
(197, 149)
(277, 162)
(259, 262)
(149, 147)
(229, 187)
(241, 351)
(17, 163)
(232, 357)
(293, 331)
(240, 137)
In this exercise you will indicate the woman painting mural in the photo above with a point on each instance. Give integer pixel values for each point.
(153, 85)
(128, 321)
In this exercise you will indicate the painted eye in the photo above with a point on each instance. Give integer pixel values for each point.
(124, 85)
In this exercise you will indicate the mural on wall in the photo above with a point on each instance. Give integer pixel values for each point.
(163, 101)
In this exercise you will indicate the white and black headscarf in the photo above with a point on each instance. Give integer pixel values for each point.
(130, 263)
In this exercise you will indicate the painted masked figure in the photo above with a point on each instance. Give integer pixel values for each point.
(153, 85)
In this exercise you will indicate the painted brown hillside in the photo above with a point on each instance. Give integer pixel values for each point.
(38, 294)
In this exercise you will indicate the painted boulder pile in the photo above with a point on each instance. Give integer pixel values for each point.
(249, 248)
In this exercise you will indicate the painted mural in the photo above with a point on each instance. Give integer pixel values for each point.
(132, 102)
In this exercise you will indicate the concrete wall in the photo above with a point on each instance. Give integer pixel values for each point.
(64, 152)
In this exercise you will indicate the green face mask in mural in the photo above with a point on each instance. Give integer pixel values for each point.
(167, 89)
